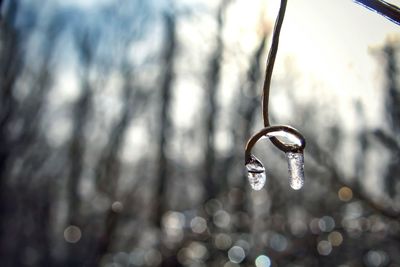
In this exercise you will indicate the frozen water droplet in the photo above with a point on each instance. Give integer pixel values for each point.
(253, 164)
(296, 169)
(289, 137)
(257, 180)
(256, 173)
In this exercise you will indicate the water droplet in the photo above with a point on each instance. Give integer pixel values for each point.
(256, 173)
(296, 169)
(254, 165)
(257, 180)
(286, 136)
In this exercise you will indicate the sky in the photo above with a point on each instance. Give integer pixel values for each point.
(336, 45)
(333, 48)
(331, 45)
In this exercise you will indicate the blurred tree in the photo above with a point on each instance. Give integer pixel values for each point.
(390, 140)
(164, 168)
(72, 192)
(77, 149)
(213, 76)
(244, 116)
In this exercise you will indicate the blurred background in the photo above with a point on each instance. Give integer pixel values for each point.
(123, 124)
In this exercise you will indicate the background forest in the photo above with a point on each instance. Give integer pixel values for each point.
(122, 132)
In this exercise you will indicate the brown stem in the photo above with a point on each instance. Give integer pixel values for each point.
(271, 61)
(268, 74)
(263, 133)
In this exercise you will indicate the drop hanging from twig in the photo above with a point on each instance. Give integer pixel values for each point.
(296, 169)
(293, 150)
(256, 173)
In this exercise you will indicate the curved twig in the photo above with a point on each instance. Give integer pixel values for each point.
(266, 88)
(268, 73)
(271, 61)
(270, 129)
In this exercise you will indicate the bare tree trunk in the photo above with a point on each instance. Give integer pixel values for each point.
(108, 172)
(76, 157)
(211, 109)
(76, 150)
(109, 166)
(76, 153)
(22, 145)
(393, 114)
(165, 121)
(393, 97)
(11, 62)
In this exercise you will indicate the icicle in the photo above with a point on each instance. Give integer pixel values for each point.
(256, 173)
(296, 169)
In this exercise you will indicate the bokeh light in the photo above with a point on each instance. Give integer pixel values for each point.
(197, 251)
(117, 207)
(222, 219)
(376, 258)
(236, 254)
(278, 242)
(335, 238)
(72, 234)
(345, 194)
(324, 247)
(173, 223)
(326, 224)
(222, 241)
(198, 225)
(263, 261)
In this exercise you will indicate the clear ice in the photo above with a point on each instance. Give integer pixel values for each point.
(288, 136)
(296, 169)
(256, 173)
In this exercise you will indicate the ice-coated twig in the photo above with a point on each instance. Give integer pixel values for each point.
(255, 169)
(297, 143)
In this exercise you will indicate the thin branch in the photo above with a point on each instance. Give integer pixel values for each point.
(325, 160)
(213, 79)
(388, 141)
(165, 121)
